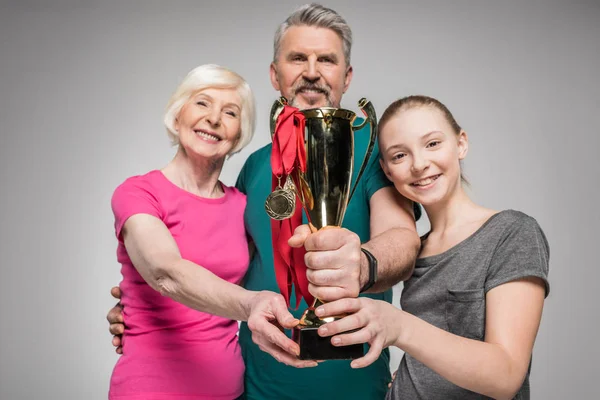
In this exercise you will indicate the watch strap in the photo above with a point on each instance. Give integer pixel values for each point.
(372, 270)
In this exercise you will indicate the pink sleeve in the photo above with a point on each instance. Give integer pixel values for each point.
(134, 196)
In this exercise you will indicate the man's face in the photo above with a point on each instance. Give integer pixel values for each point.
(311, 70)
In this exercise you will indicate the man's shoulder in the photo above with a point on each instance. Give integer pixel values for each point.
(249, 170)
(259, 156)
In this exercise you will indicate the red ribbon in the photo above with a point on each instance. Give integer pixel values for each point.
(288, 157)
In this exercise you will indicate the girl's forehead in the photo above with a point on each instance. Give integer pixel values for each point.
(416, 121)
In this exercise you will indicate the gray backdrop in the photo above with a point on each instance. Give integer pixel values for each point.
(83, 86)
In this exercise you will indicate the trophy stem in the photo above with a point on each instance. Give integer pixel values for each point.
(309, 318)
(315, 347)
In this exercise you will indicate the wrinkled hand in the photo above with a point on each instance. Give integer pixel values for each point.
(377, 322)
(268, 317)
(333, 261)
(115, 319)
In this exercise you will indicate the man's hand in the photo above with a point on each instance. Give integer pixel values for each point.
(115, 319)
(267, 317)
(333, 259)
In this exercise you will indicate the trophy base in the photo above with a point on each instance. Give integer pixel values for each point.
(315, 347)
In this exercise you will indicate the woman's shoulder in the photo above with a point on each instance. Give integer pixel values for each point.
(149, 178)
(147, 183)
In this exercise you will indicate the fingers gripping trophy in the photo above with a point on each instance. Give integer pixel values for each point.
(312, 161)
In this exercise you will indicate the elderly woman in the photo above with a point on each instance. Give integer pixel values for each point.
(183, 251)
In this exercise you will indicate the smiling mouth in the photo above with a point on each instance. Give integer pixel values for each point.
(311, 91)
(426, 181)
(207, 135)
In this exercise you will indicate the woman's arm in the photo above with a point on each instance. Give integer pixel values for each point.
(156, 257)
(495, 367)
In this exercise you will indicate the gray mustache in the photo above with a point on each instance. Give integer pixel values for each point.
(312, 87)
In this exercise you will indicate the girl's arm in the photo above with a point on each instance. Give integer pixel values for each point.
(495, 367)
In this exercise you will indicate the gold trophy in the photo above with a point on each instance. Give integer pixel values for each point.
(324, 191)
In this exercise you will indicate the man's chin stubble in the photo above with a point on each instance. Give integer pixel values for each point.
(294, 103)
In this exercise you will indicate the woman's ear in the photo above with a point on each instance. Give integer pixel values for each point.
(463, 145)
(176, 124)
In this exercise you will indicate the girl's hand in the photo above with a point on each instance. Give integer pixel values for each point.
(376, 322)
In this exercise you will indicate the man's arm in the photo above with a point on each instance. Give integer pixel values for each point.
(394, 241)
(115, 320)
(337, 268)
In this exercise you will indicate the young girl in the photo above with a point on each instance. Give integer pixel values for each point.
(472, 308)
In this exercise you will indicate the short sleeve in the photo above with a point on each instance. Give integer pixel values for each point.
(374, 178)
(523, 252)
(133, 196)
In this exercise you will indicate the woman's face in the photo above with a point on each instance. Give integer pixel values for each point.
(209, 123)
(421, 154)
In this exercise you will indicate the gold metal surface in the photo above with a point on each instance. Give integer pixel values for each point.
(281, 203)
(329, 138)
(276, 109)
(371, 117)
(324, 189)
(329, 111)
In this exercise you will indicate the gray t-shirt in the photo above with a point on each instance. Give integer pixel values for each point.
(448, 291)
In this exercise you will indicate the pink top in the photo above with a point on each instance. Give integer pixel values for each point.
(169, 350)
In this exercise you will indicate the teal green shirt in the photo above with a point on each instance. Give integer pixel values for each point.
(265, 377)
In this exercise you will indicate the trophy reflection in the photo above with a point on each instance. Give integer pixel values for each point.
(324, 191)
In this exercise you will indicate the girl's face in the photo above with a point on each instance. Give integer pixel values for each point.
(421, 154)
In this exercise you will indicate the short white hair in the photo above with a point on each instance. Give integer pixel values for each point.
(317, 16)
(213, 76)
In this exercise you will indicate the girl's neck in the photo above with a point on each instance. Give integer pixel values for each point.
(457, 211)
(199, 176)
(452, 222)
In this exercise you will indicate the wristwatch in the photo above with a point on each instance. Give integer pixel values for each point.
(372, 270)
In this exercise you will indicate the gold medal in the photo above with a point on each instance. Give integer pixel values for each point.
(281, 204)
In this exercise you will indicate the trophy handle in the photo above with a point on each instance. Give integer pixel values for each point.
(276, 109)
(367, 108)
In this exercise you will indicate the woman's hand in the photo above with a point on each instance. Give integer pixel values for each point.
(268, 316)
(376, 322)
